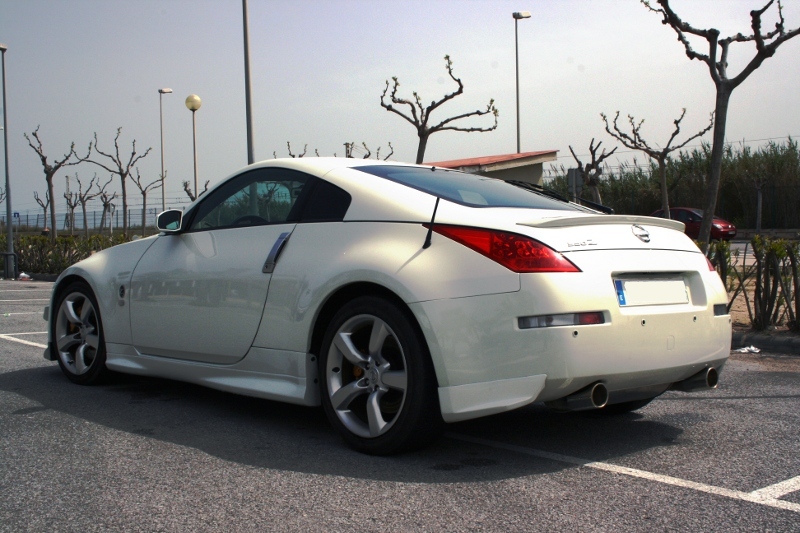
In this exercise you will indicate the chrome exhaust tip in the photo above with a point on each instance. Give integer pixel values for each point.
(595, 396)
(706, 379)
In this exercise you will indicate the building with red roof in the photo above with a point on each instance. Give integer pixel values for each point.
(527, 166)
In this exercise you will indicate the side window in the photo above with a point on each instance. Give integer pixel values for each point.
(258, 197)
(325, 203)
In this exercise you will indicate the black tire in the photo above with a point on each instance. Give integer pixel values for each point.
(78, 335)
(378, 385)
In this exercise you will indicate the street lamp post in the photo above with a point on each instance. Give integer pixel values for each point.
(162, 92)
(193, 102)
(9, 226)
(248, 108)
(517, 16)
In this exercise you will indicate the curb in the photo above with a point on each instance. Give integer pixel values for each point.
(788, 344)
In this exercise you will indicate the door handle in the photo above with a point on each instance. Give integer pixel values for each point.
(277, 248)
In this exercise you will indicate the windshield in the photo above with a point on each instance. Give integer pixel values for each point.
(466, 189)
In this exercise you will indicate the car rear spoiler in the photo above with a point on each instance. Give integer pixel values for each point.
(592, 220)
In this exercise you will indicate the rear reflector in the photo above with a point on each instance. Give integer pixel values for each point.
(517, 253)
(568, 319)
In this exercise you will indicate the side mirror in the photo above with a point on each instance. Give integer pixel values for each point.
(170, 221)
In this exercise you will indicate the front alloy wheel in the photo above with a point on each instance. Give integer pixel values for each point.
(78, 335)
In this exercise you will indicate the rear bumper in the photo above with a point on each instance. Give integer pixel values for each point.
(486, 364)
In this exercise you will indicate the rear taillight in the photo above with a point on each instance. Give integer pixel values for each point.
(515, 252)
(710, 265)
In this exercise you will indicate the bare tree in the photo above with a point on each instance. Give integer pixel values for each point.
(117, 166)
(144, 189)
(2, 194)
(85, 196)
(44, 204)
(50, 171)
(187, 189)
(72, 203)
(108, 207)
(289, 146)
(717, 62)
(634, 141)
(590, 173)
(420, 115)
(349, 150)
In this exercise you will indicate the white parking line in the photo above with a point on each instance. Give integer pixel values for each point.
(29, 343)
(25, 290)
(779, 489)
(28, 300)
(767, 496)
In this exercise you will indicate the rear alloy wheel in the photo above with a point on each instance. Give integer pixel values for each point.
(78, 334)
(379, 389)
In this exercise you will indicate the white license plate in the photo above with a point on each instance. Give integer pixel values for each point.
(632, 292)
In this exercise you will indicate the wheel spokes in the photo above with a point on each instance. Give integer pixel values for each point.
(93, 341)
(68, 341)
(344, 343)
(342, 398)
(380, 331)
(395, 379)
(69, 312)
(80, 362)
(374, 416)
(86, 313)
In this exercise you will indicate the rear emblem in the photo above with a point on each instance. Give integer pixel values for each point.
(640, 232)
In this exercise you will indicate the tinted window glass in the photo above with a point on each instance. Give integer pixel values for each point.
(326, 202)
(260, 196)
(465, 189)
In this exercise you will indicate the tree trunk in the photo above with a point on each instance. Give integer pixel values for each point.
(596, 194)
(662, 174)
(712, 189)
(53, 230)
(144, 214)
(423, 142)
(122, 180)
(758, 210)
(85, 222)
(103, 218)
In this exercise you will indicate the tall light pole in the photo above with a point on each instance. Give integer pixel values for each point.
(193, 102)
(162, 92)
(247, 88)
(517, 16)
(9, 226)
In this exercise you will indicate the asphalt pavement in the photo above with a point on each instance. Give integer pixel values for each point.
(145, 454)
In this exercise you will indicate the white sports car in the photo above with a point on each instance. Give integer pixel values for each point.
(398, 297)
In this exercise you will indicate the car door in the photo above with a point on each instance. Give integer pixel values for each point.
(199, 294)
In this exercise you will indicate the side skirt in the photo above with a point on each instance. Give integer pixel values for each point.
(270, 374)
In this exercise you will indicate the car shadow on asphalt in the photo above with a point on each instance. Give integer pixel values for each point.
(274, 435)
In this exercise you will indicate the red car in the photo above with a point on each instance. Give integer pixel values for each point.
(720, 230)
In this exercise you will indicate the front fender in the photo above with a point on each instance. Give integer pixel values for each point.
(106, 272)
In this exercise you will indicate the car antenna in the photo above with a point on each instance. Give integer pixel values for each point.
(430, 228)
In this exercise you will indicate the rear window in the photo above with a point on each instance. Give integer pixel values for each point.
(466, 189)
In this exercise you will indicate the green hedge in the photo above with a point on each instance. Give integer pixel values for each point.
(40, 255)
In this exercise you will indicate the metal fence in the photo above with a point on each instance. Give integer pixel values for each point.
(37, 222)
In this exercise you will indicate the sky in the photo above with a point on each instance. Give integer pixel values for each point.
(79, 67)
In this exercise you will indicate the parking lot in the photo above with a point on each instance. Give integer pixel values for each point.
(141, 454)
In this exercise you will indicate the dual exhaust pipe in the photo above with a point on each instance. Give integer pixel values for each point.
(596, 395)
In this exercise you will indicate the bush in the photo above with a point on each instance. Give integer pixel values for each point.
(40, 255)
